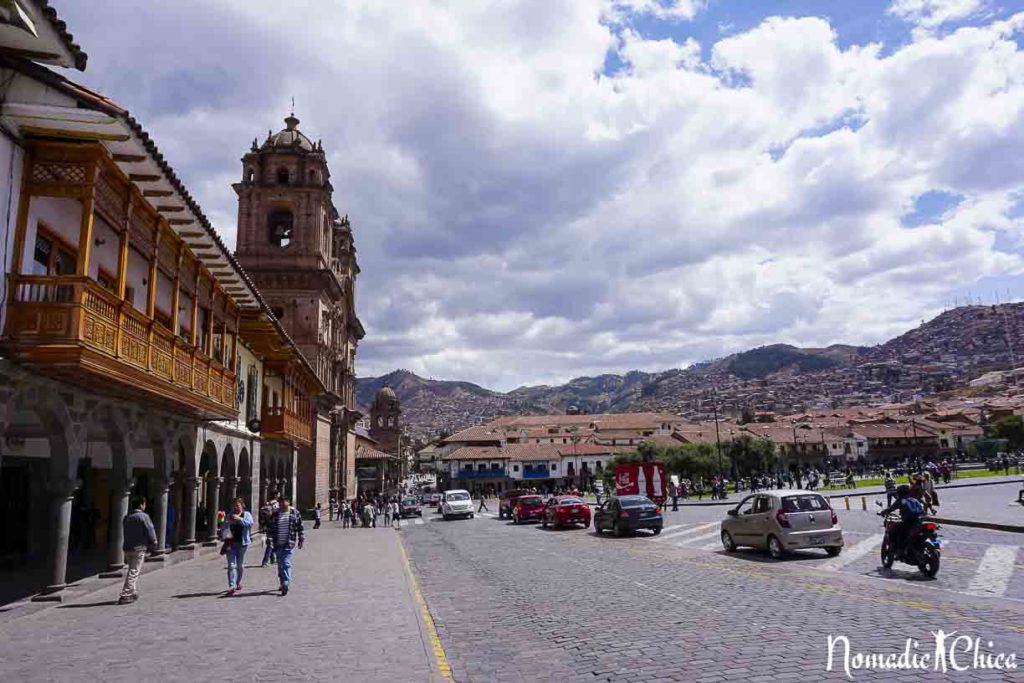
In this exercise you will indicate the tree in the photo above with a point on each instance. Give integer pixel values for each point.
(1010, 428)
(751, 456)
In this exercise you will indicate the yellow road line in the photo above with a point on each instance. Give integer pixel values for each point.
(440, 657)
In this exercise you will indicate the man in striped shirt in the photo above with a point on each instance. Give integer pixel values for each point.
(285, 530)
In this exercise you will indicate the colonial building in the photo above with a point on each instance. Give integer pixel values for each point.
(136, 355)
(300, 253)
(385, 420)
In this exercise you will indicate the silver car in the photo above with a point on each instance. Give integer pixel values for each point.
(783, 520)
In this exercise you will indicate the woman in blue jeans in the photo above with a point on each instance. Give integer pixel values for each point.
(239, 526)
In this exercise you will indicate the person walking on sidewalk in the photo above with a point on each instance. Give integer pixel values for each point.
(266, 514)
(139, 536)
(396, 514)
(483, 503)
(317, 513)
(286, 531)
(238, 533)
(387, 513)
(346, 516)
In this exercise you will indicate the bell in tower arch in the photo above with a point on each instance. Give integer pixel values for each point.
(280, 224)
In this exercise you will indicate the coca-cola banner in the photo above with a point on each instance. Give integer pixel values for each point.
(645, 479)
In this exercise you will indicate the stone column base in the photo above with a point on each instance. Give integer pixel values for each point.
(112, 573)
(210, 544)
(156, 558)
(50, 594)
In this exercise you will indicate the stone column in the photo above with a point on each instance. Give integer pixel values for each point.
(62, 494)
(191, 496)
(212, 506)
(231, 490)
(160, 516)
(115, 535)
(263, 491)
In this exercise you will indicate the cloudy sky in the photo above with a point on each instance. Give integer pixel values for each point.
(542, 189)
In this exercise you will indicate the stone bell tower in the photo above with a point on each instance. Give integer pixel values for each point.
(300, 252)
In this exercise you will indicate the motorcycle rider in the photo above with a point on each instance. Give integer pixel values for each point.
(911, 510)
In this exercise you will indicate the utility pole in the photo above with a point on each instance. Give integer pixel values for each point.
(718, 437)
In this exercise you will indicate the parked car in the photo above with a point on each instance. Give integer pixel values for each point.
(456, 503)
(566, 510)
(431, 498)
(623, 514)
(783, 520)
(410, 506)
(507, 501)
(528, 508)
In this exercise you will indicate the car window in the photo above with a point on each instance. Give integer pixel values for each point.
(570, 501)
(747, 506)
(457, 496)
(635, 501)
(808, 502)
(762, 504)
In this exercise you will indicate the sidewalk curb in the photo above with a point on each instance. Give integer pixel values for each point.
(1013, 528)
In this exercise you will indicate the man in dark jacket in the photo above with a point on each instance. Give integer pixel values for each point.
(139, 536)
(285, 531)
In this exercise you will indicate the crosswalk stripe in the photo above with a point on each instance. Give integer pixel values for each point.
(853, 553)
(713, 545)
(995, 570)
(418, 521)
(686, 532)
(696, 539)
(670, 527)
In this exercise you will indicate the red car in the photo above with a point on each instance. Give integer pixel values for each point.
(566, 510)
(528, 508)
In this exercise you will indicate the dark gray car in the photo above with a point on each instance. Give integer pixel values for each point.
(624, 514)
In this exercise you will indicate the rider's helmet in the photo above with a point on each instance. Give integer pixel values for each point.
(903, 490)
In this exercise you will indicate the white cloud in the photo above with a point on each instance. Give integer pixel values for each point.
(671, 10)
(930, 14)
(521, 216)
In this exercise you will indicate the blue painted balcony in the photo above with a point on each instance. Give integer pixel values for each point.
(498, 473)
(536, 474)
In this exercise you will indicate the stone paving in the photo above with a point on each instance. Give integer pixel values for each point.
(519, 603)
(350, 616)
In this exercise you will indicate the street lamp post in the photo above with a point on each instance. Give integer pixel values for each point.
(718, 438)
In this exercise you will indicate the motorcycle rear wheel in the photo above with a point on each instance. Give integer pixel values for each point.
(929, 562)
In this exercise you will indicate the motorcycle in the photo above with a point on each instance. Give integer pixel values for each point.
(922, 546)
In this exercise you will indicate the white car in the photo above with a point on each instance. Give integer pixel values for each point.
(456, 503)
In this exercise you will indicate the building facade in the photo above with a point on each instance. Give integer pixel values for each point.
(301, 255)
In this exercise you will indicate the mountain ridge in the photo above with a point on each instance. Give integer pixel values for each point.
(941, 354)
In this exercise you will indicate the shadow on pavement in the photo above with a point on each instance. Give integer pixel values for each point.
(104, 603)
(257, 594)
(899, 574)
(198, 595)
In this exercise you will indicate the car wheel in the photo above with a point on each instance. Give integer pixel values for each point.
(544, 522)
(775, 548)
(586, 524)
(656, 530)
(728, 543)
(444, 516)
(471, 515)
(834, 550)
(620, 531)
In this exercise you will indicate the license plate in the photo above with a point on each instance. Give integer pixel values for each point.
(818, 540)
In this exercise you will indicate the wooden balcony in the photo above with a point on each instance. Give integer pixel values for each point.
(71, 327)
(283, 424)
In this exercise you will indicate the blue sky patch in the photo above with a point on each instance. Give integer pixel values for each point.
(930, 207)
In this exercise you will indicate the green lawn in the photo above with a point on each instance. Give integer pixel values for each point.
(967, 474)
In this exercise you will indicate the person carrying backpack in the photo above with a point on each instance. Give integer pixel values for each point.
(911, 511)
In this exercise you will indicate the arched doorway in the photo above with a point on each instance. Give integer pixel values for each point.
(245, 478)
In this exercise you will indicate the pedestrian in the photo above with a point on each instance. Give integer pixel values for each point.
(237, 533)
(266, 514)
(286, 532)
(316, 516)
(890, 489)
(396, 514)
(673, 491)
(387, 514)
(367, 515)
(139, 536)
(483, 503)
(375, 508)
(346, 516)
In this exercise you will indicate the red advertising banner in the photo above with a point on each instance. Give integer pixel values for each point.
(644, 479)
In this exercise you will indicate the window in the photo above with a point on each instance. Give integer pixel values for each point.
(107, 281)
(249, 175)
(52, 256)
(204, 328)
(747, 506)
(279, 226)
(278, 313)
(554, 467)
(762, 504)
(282, 176)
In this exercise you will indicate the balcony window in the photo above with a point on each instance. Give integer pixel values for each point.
(203, 337)
(52, 256)
(515, 468)
(162, 317)
(107, 281)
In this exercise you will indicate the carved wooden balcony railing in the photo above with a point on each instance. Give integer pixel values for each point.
(72, 327)
(284, 424)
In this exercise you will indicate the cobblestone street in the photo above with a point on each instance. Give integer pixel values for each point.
(522, 603)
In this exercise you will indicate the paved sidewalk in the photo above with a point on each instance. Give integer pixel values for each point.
(351, 615)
